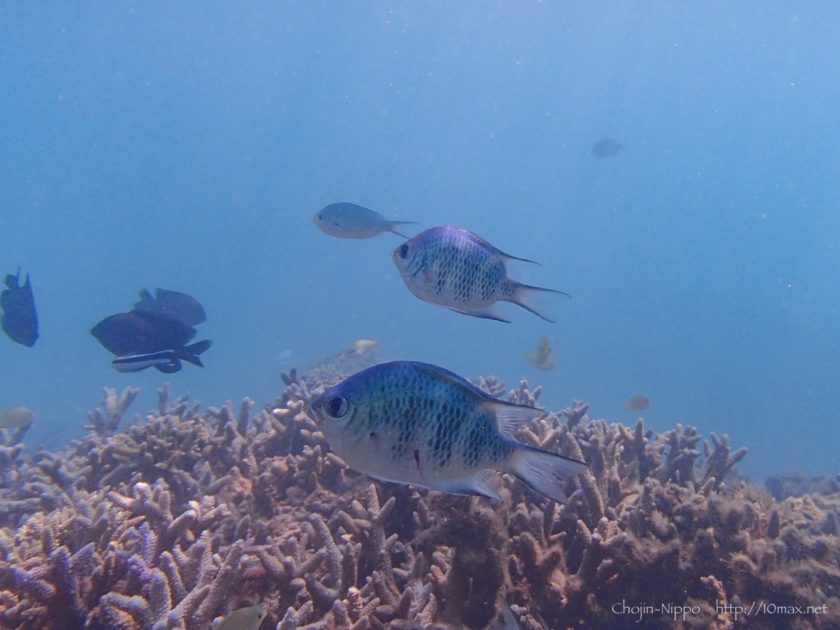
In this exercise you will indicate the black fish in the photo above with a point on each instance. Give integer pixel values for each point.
(175, 304)
(155, 333)
(166, 361)
(20, 321)
(606, 148)
(141, 332)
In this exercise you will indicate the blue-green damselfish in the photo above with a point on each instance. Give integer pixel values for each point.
(452, 267)
(420, 424)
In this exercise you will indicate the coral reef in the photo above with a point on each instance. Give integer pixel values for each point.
(181, 517)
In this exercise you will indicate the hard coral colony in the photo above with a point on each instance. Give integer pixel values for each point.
(176, 521)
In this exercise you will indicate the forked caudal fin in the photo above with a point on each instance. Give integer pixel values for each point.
(191, 352)
(392, 227)
(544, 471)
(519, 296)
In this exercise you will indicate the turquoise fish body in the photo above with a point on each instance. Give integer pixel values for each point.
(416, 423)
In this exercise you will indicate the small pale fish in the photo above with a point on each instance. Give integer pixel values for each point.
(455, 268)
(637, 403)
(542, 357)
(16, 417)
(347, 220)
(248, 618)
(361, 346)
(420, 424)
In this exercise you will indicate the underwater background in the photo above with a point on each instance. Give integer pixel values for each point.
(187, 146)
(671, 166)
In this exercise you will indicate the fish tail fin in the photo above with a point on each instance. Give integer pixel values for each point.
(519, 294)
(543, 471)
(191, 353)
(392, 225)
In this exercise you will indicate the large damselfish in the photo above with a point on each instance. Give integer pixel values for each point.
(455, 268)
(420, 424)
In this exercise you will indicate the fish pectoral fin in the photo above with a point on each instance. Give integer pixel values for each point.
(483, 313)
(509, 416)
(484, 483)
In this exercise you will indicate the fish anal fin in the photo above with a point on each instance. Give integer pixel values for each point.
(544, 471)
(483, 313)
(484, 483)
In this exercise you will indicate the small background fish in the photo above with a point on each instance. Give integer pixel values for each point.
(606, 148)
(16, 417)
(361, 346)
(347, 220)
(248, 618)
(541, 357)
(637, 403)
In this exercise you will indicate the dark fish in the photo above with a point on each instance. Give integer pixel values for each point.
(141, 332)
(637, 403)
(20, 321)
(166, 361)
(175, 304)
(606, 148)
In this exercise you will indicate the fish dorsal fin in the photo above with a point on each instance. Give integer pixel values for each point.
(510, 417)
(498, 251)
(442, 374)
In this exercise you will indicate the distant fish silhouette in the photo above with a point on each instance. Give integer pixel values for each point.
(347, 220)
(154, 334)
(542, 357)
(606, 148)
(20, 321)
(16, 417)
(637, 403)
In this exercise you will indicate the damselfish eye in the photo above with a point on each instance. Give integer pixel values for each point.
(403, 251)
(336, 407)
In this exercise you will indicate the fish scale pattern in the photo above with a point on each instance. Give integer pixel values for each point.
(466, 271)
(450, 423)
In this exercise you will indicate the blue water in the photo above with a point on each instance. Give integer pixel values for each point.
(188, 146)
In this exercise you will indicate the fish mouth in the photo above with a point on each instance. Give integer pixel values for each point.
(313, 408)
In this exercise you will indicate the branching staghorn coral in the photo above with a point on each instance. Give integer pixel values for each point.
(175, 521)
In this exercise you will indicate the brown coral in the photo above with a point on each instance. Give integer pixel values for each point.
(174, 521)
